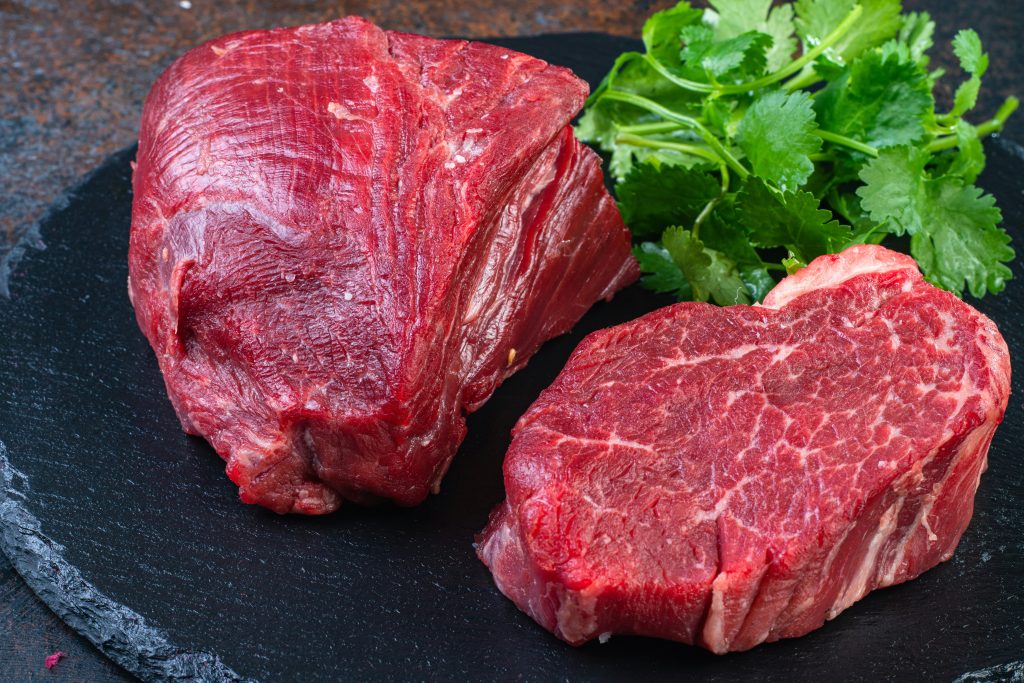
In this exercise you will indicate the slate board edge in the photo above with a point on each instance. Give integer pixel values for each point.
(32, 238)
(119, 632)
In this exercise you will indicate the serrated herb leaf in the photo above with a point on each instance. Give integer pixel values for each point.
(882, 100)
(794, 220)
(661, 31)
(777, 135)
(711, 274)
(967, 46)
(963, 242)
(916, 32)
(697, 40)
(892, 189)
(744, 56)
(966, 96)
(660, 272)
(954, 227)
(652, 198)
(723, 232)
(879, 21)
(740, 16)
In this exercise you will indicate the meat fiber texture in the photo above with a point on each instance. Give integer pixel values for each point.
(729, 476)
(344, 239)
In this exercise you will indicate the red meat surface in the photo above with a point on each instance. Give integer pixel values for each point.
(730, 476)
(344, 239)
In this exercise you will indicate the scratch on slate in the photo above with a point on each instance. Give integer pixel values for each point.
(1012, 672)
(119, 632)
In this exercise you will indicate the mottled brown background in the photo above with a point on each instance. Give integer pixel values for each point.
(73, 75)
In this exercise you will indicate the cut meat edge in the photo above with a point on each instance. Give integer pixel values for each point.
(892, 538)
(746, 609)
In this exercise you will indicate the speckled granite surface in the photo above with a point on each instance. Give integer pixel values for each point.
(73, 76)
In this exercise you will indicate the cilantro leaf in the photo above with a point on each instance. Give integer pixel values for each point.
(597, 124)
(967, 46)
(892, 189)
(596, 127)
(954, 230)
(964, 242)
(651, 197)
(661, 274)
(740, 16)
(711, 274)
(723, 232)
(815, 19)
(661, 31)
(916, 32)
(879, 21)
(777, 135)
(697, 41)
(744, 56)
(757, 280)
(882, 100)
(793, 220)
(966, 96)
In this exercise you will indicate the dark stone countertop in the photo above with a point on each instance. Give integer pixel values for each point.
(73, 76)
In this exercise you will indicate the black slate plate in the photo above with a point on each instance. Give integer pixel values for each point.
(131, 532)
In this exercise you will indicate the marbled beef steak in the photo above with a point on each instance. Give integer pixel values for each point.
(729, 476)
(343, 239)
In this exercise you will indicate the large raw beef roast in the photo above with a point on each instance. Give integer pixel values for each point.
(344, 239)
(730, 476)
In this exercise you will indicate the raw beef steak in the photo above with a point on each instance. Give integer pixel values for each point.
(344, 239)
(730, 476)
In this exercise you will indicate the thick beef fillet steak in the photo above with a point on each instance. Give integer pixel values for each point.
(729, 476)
(343, 239)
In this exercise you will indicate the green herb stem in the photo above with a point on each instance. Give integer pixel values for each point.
(686, 122)
(705, 212)
(684, 83)
(694, 150)
(993, 125)
(807, 78)
(837, 139)
(651, 128)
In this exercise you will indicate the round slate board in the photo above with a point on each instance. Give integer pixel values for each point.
(130, 531)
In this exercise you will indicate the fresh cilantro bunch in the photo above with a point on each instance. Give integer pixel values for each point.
(734, 159)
